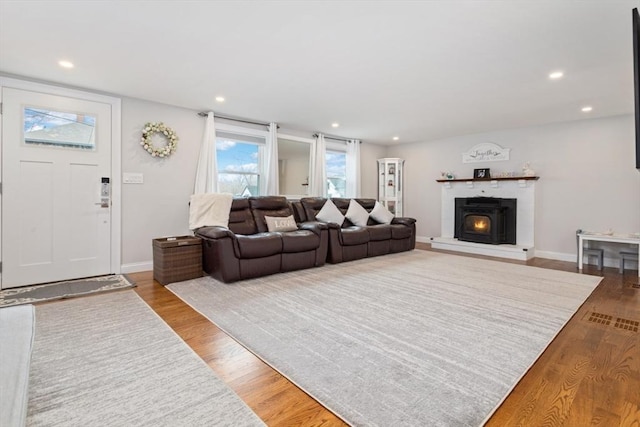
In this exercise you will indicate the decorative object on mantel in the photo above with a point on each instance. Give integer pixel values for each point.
(152, 128)
(527, 171)
(483, 173)
(447, 175)
(486, 152)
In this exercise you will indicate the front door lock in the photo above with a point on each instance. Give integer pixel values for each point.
(105, 192)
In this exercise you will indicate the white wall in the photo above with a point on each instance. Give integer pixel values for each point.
(159, 207)
(587, 177)
(369, 154)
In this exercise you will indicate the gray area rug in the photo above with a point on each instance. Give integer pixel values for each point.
(109, 360)
(61, 290)
(411, 339)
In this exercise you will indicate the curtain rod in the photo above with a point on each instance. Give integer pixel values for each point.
(315, 135)
(220, 116)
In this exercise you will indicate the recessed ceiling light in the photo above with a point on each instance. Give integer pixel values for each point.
(65, 64)
(395, 138)
(586, 109)
(556, 75)
(220, 98)
(335, 125)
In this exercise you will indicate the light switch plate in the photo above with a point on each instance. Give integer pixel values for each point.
(132, 178)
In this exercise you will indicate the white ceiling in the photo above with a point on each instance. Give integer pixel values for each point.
(420, 70)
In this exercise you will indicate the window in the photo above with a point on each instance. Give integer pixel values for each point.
(240, 164)
(336, 163)
(60, 129)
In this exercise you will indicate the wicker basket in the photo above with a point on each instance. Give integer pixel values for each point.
(176, 259)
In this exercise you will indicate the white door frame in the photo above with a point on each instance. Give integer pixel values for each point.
(116, 147)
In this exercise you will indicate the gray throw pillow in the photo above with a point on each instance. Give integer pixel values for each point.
(281, 223)
(357, 214)
(381, 214)
(330, 213)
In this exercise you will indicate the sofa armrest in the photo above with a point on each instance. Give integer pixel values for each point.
(214, 232)
(314, 226)
(404, 221)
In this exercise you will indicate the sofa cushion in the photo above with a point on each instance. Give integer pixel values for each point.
(300, 241)
(357, 214)
(354, 236)
(330, 213)
(399, 231)
(341, 203)
(279, 223)
(240, 218)
(259, 245)
(381, 214)
(268, 206)
(379, 232)
(312, 206)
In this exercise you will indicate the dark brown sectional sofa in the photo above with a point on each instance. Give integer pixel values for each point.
(349, 242)
(246, 249)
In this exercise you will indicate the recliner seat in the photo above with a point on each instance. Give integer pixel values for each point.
(246, 249)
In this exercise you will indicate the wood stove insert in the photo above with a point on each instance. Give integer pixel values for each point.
(488, 220)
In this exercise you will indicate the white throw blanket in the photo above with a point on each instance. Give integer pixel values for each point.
(209, 209)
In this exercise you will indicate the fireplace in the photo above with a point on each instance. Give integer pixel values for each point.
(489, 220)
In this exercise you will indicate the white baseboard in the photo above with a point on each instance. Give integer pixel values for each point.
(136, 267)
(608, 262)
(560, 256)
(423, 239)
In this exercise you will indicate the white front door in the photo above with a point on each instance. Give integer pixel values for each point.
(56, 212)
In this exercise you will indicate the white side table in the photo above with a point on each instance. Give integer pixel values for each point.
(599, 237)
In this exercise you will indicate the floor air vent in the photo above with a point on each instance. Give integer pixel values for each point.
(602, 319)
(627, 325)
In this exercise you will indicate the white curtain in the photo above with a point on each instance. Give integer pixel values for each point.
(318, 169)
(270, 184)
(353, 168)
(207, 171)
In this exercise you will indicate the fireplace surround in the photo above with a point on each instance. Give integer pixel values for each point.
(489, 220)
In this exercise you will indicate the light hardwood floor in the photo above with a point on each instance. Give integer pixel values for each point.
(589, 375)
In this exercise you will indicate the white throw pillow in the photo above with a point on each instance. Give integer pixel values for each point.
(281, 223)
(357, 214)
(330, 213)
(380, 214)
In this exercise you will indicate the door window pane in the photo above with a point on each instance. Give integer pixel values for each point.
(336, 173)
(57, 128)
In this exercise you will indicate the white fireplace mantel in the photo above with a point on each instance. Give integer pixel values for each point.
(522, 189)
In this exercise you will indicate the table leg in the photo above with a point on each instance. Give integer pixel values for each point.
(580, 252)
